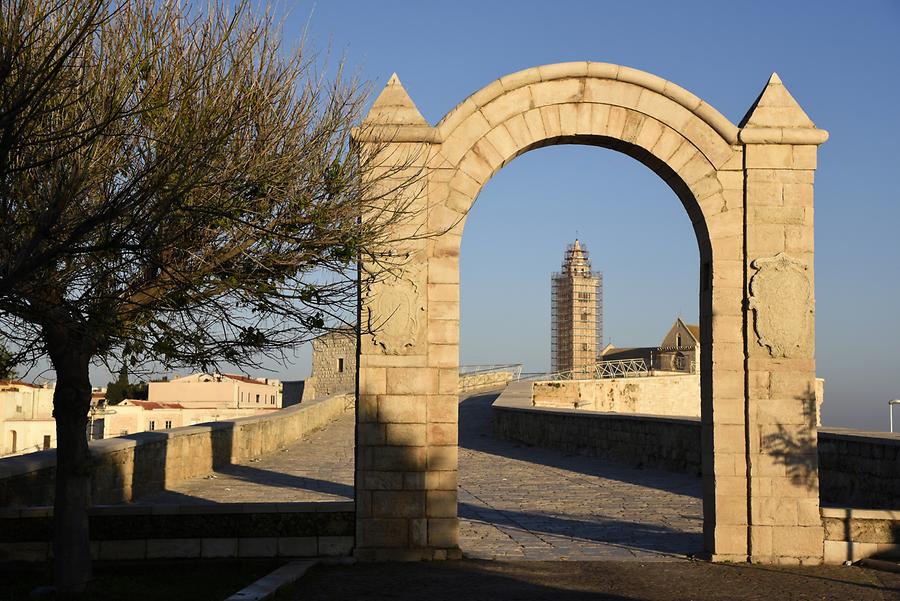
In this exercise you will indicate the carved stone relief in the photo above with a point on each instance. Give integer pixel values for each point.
(395, 309)
(783, 306)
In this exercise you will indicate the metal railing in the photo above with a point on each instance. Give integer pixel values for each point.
(620, 368)
(468, 370)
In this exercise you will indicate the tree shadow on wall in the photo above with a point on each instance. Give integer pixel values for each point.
(794, 445)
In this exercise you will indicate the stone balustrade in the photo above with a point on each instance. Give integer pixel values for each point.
(128, 467)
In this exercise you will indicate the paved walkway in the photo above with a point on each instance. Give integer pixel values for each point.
(519, 502)
(515, 502)
(318, 467)
(591, 581)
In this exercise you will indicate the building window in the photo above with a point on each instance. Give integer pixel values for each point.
(273, 399)
(679, 361)
(152, 425)
(257, 398)
(677, 339)
(585, 316)
(340, 365)
(168, 424)
(584, 346)
(46, 441)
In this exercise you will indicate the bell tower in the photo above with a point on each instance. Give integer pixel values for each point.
(577, 312)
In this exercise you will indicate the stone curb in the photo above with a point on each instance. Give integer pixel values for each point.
(268, 585)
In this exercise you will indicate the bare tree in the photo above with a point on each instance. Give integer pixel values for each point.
(175, 187)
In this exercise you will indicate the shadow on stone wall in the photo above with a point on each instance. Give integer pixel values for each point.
(794, 445)
(151, 468)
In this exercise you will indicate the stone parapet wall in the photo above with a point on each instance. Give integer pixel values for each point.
(129, 467)
(670, 393)
(856, 469)
(135, 532)
(859, 469)
(491, 379)
(674, 395)
(854, 534)
(640, 440)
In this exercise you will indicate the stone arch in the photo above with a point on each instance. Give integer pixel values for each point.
(744, 190)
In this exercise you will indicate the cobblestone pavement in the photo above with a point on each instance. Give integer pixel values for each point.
(318, 467)
(515, 502)
(519, 502)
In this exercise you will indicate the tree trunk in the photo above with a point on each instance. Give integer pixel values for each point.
(71, 538)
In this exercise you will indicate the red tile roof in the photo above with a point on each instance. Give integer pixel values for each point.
(241, 378)
(154, 404)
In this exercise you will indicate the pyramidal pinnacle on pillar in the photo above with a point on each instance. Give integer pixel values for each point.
(394, 107)
(775, 107)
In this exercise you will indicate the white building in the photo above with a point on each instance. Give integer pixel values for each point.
(218, 390)
(193, 399)
(26, 417)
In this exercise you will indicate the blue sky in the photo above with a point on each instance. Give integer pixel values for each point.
(840, 60)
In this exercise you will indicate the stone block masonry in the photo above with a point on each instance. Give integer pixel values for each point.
(676, 395)
(859, 469)
(756, 293)
(333, 364)
(854, 534)
(134, 532)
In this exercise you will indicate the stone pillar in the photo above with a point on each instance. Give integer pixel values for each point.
(406, 456)
(722, 374)
(780, 144)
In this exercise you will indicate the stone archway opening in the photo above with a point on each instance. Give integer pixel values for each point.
(523, 494)
(748, 193)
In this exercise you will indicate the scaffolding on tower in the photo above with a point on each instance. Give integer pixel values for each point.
(576, 298)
